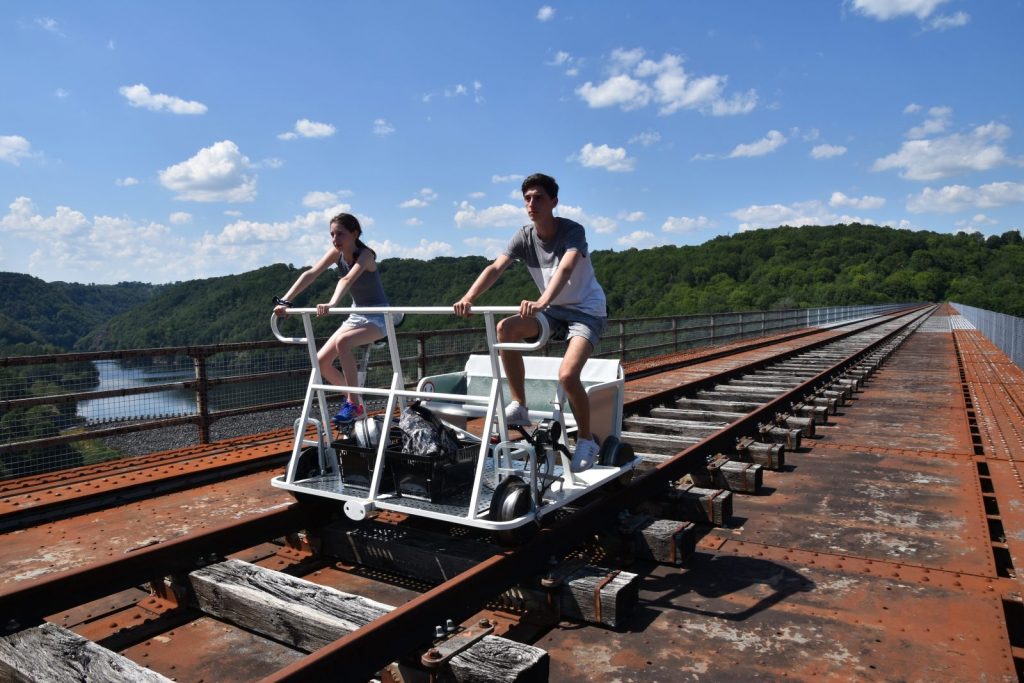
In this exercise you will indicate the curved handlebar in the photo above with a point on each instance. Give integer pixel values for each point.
(277, 332)
(542, 338)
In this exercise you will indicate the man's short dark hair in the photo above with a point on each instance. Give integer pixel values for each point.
(546, 182)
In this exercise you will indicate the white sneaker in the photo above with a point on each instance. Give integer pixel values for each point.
(516, 415)
(585, 455)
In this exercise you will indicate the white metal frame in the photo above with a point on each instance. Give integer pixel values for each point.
(359, 506)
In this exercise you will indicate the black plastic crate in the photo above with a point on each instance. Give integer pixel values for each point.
(427, 477)
(357, 464)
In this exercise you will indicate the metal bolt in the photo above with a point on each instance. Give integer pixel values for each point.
(483, 623)
(433, 653)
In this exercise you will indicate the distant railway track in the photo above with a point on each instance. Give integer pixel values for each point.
(703, 439)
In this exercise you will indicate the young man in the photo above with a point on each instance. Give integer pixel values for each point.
(555, 251)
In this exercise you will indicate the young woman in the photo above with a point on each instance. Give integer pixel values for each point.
(357, 264)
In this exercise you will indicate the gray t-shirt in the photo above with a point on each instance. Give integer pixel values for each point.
(367, 291)
(582, 292)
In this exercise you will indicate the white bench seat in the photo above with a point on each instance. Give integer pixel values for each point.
(603, 380)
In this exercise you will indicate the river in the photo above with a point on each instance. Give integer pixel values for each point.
(114, 376)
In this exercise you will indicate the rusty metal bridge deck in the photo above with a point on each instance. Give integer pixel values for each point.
(887, 548)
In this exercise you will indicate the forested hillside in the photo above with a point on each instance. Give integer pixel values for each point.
(37, 313)
(762, 269)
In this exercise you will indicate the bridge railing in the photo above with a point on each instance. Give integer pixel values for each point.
(1005, 331)
(67, 410)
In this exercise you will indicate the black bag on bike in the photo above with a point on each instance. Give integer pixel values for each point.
(424, 434)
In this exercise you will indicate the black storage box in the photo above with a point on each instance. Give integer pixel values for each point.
(357, 464)
(434, 478)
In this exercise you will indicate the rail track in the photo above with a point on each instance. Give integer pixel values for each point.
(228, 571)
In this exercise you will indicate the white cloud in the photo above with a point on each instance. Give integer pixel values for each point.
(948, 21)
(603, 156)
(14, 148)
(477, 195)
(954, 198)
(424, 250)
(218, 173)
(771, 142)
(546, 13)
(684, 224)
(139, 96)
(423, 198)
(22, 219)
(600, 224)
(48, 24)
(413, 221)
(938, 121)
(912, 108)
(620, 90)
(646, 139)
(501, 216)
(511, 178)
(979, 150)
(308, 129)
(127, 181)
(232, 213)
(320, 200)
(636, 81)
(839, 199)
(971, 225)
(632, 216)
(812, 212)
(884, 10)
(487, 246)
(61, 93)
(105, 249)
(382, 128)
(180, 218)
(637, 239)
(827, 151)
(564, 60)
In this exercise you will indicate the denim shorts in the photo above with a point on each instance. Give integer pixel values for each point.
(566, 323)
(359, 320)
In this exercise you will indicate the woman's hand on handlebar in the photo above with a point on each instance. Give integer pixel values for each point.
(280, 311)
(322, 310)
(463, 308)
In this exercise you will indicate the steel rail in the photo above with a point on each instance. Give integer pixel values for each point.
(27, 606)
(364, 652)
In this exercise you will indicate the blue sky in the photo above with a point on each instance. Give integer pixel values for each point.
(169, 141)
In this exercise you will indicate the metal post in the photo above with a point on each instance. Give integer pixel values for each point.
(622, 341)
(202, 397)
(421, 358)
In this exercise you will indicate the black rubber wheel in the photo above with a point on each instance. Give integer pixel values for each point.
(615, 453)
(309, 463)
(512, 500)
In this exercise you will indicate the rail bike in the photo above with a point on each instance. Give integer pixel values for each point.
(500, 478)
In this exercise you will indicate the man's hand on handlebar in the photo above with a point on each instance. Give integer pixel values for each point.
(463, 308)
(529, 309)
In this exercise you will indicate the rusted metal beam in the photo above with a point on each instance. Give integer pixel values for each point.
(45, 596)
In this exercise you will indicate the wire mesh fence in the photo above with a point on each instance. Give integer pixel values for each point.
(78, 409)
(1005, 331)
